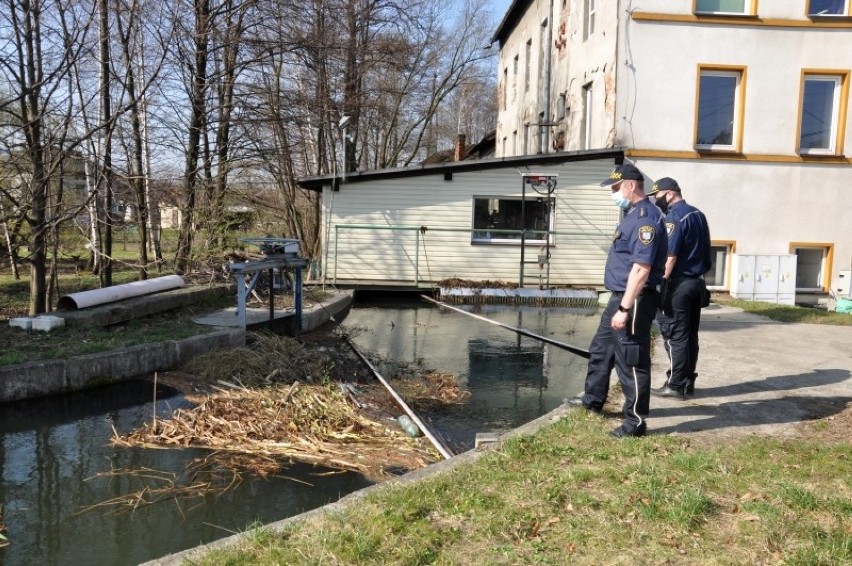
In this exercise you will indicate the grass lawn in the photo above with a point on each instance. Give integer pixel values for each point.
(571, 495)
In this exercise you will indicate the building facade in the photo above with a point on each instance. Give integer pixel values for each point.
(416, 226)
(744, 102)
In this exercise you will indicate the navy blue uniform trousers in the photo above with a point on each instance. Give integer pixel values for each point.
(629, 352)
(679, 323)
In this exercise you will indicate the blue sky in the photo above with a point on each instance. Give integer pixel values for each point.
(500, 7)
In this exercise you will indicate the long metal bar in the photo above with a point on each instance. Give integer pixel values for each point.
(573, 349)
(437, 443)
(417, 258)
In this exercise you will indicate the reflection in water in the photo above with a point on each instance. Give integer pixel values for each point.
(53, 450)
(512, 379)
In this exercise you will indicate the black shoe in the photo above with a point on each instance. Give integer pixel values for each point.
(577, 402)
(622, 432)
(690, 385)
(669, 391)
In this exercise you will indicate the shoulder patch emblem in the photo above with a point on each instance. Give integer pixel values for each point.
(646, 234)
(670, 226)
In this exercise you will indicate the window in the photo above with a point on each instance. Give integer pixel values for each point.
(498, 219)
(721, 253)
(720, 109)
(515, 79)
(828, 8)
(561, 106)
(812, 261)
(586, 126)
(505, 85)
(527, 63)
(723, 6)
(820, 127)
(589, 27)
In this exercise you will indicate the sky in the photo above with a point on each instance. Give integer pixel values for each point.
(499, 7)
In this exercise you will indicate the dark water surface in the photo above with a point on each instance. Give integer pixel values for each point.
(55, 455)
(53, 450)
(512, 379)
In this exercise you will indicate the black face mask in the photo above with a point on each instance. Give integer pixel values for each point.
(661, 203)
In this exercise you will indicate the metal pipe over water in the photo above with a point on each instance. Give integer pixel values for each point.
(573, 349)
(437, 443)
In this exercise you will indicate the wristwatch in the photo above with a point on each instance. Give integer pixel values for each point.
(622, 309)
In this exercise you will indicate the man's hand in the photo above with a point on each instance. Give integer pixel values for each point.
(619, 320)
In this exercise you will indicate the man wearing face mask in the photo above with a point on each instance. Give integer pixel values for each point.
(688, 260)
(634, 269)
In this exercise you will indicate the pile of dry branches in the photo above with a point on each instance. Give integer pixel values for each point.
(431, 389)
(309, 423)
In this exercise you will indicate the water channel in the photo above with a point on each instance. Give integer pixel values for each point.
(55, 455)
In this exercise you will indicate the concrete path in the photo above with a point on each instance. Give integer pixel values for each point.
(756, 376)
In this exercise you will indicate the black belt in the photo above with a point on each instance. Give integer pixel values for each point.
(645, 291)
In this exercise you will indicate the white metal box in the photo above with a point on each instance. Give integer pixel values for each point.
(842, 287)
(767, 278)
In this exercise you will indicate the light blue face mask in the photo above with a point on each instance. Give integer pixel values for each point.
(620, 200)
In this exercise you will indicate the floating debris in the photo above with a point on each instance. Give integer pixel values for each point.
(316, 424)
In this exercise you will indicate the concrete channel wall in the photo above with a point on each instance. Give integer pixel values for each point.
(52, 377)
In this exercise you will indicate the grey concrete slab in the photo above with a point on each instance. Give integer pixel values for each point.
(757, 376)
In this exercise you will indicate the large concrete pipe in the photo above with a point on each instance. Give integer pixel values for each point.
(95, 297)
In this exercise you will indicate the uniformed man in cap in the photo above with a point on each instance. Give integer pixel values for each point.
(685, 291)
(634, 269)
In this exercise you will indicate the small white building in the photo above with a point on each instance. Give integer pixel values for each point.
(745, 103)
(416, 226)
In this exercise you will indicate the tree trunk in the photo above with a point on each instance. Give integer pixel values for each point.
(199, 88)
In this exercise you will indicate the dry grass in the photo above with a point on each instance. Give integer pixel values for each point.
(318, 424)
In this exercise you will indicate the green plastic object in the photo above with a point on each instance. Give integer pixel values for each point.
(844, 306)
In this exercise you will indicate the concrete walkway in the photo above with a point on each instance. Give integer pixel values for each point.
(756, 376)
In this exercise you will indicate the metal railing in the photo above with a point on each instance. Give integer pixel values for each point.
(421, 230)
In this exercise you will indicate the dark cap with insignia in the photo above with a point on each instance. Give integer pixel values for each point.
(625, 172)
(665, 184)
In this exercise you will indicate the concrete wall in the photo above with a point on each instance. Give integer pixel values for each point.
(52, 377)
(765, 199)
(577, 59)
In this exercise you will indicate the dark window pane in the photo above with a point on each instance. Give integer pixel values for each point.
(825, 7)
(501, 219)
(716, 100)
(817, 114)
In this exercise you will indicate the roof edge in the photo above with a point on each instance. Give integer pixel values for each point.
(317, 182)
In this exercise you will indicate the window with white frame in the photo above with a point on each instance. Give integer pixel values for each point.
(589, 23)
(498, 219)
(586, 126)
(720, 255)
(527, 64)
(719, 109)
(811, 263)
(722, 6)
(828, 7)
(821, 103)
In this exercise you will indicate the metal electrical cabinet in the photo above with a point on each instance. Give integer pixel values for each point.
(842, 287)
(766, 278)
